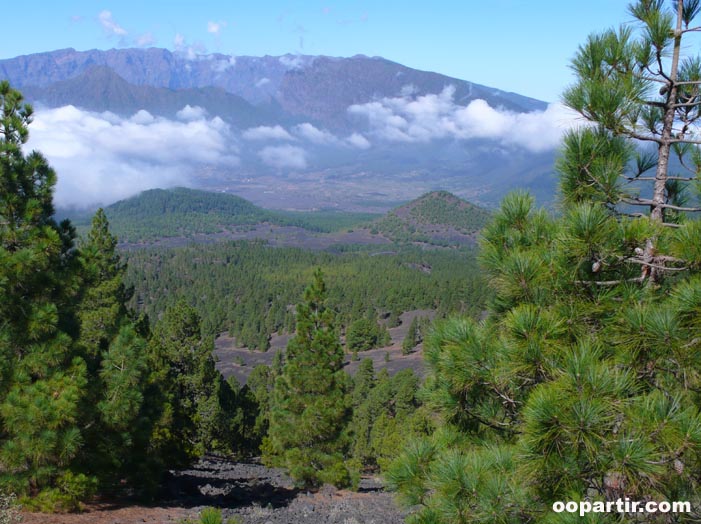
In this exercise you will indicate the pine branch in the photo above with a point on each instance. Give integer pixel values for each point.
(647, 202)
(634, 178)
(609, 282)
(685, 104)
(648, 264)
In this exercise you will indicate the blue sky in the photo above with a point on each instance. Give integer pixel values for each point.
(515, 45)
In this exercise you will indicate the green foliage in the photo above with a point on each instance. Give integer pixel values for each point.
(309, 407)
(385, 411)
(212, 516)
(433, 218)
(412, 338)
(365, 333)
(584, 379)
(42, 377)
(182, 212)
(193, 418)
(248, 288)
(88, 400)
(571, 380)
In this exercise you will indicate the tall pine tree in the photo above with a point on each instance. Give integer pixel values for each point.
(43, 377)
(584, 380)
(116, 357)
(310, 405)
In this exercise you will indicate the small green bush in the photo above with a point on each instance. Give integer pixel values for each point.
(70, 492)
(211, 516)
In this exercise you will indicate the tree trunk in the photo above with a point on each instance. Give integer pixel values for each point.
(661, 174)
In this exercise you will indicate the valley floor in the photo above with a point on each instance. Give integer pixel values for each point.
(248, 491)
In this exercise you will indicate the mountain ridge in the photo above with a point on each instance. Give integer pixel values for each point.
(320, 88)
(99, 88)
(358, 133)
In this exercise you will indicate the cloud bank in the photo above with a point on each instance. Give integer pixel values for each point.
(101, 158)
(266, 133)
(315, 135)
(437, 116)
(282, 157)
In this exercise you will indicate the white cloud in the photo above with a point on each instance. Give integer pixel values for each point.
(359, 141)
(284, 157)
(142, 117)
(111, 27)
(323, 137)
(313, 134)
(215, 27)
(189, 52)
(224, 64)
(267, 133)
(191, 113)
(145, 40)
(437, 116)
(101, 158)
(292, 61)
(262, 82)
(408, 90)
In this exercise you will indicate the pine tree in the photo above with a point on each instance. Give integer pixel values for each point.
(584, 379)
(42, 377)
(103, 306)
(642, 95)
(309, 404)
(412, 337)
(192, 393)
(115, 352)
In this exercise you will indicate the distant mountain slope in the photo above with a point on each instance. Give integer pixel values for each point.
(438, 217)
(325, 88)
(317, 88)
(99, 88)
(360, 133)
(181, 212)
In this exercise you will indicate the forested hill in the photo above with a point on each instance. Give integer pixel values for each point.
(438, 217)
(182, 212)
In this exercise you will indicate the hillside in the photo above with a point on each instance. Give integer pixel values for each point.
(181, 212)
(438, 218)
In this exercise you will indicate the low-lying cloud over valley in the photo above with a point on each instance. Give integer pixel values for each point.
(102, 157)
(437, 116)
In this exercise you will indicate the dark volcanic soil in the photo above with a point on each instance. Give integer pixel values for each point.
(248, 491)
(260, 495)
(239, 362)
